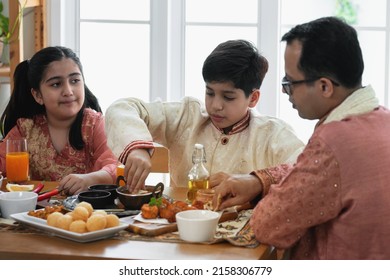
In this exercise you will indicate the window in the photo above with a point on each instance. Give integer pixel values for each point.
(155, 48)
(372, 22)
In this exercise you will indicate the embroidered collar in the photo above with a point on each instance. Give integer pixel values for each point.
(239, 126)
(359, 102)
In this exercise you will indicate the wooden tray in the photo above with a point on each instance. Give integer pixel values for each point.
(157, 229)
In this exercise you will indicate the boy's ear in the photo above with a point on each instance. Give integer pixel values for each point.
(254, 98)
(37, 96)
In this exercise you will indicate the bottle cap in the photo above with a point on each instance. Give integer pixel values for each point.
(198, 146)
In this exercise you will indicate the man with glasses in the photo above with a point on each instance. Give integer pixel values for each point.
(334, 203)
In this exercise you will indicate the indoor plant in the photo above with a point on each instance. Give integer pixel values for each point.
(4, 26)
(4, 32)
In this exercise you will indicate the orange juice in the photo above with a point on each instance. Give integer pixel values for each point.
(120, 171)
(17, 166)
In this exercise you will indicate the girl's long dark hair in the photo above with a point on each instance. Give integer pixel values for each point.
(28, 75)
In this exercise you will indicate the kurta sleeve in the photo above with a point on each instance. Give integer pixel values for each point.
(129, 120)
(103, 157)
(309, 195)
(284, 145)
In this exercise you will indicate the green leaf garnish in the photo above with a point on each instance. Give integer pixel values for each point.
(155, 201)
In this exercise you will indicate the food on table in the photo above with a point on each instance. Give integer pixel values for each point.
(219, 201)
(96, 222)
(47, 195)
(199, 204)
(100, 212)
(38, 188)
(82, 219)
(18, 188)
(78, 226)
(64, 222)
(87, 206)
(80, 213)
(43, 213)
(162, 208)
(149, 211)
(53, 218)
(112, 221)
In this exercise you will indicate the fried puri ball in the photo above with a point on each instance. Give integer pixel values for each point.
(99, 212)
(96, 222)
(64, 222)
(78, 226)
(80, 213)
(86, 205)
(112, 221)
(53, 218)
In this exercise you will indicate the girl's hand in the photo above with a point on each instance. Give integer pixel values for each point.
(74, 184)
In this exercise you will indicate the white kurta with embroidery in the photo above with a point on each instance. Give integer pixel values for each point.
(266, 142)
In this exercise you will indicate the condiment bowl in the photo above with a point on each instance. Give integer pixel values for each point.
(197, 225)
(17, 202)
(108, 188)
(135, 201)
(98, 199)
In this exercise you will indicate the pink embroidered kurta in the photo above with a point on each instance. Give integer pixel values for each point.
(335, 202)
(47, 164)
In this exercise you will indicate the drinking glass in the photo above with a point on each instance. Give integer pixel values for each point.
(17, 160)
(120, 171)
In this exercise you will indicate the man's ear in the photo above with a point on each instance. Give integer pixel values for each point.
(37, 96)
(254, 98)
(327, 87)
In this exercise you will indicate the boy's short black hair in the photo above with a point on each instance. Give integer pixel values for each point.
(236, 61)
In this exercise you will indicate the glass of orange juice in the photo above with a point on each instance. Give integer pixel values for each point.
(17, 160)
(120, 171)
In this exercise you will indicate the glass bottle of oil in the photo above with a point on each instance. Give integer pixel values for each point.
(198, 177)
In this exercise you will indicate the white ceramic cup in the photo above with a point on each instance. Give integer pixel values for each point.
(17, 202)
(197, 225)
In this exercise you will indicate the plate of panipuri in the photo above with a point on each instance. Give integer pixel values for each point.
(83, 224)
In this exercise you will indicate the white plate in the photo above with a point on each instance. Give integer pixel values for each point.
(24, 218)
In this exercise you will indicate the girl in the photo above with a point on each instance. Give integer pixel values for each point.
(61, 119)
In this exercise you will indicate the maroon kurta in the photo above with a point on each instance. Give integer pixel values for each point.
(335, 202)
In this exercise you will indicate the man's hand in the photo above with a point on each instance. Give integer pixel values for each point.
(231, 190)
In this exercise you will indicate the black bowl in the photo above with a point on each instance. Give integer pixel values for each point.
(98, 199)
(108, 188)
(135, 201)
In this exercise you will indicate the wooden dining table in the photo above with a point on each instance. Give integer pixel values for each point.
(26, 246)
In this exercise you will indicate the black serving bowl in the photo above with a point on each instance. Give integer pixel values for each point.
(135, 201)
(108, 188)
(98, 199)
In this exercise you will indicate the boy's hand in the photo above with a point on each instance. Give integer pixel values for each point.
(137, 169)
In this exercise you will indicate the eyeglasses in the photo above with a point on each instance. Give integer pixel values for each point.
(287, 85)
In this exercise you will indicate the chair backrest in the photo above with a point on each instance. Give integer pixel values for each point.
(160, 159)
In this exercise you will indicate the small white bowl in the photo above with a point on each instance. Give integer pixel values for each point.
(197, 225)
(17, 202)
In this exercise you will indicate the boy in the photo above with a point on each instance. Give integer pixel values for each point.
(236, 138)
